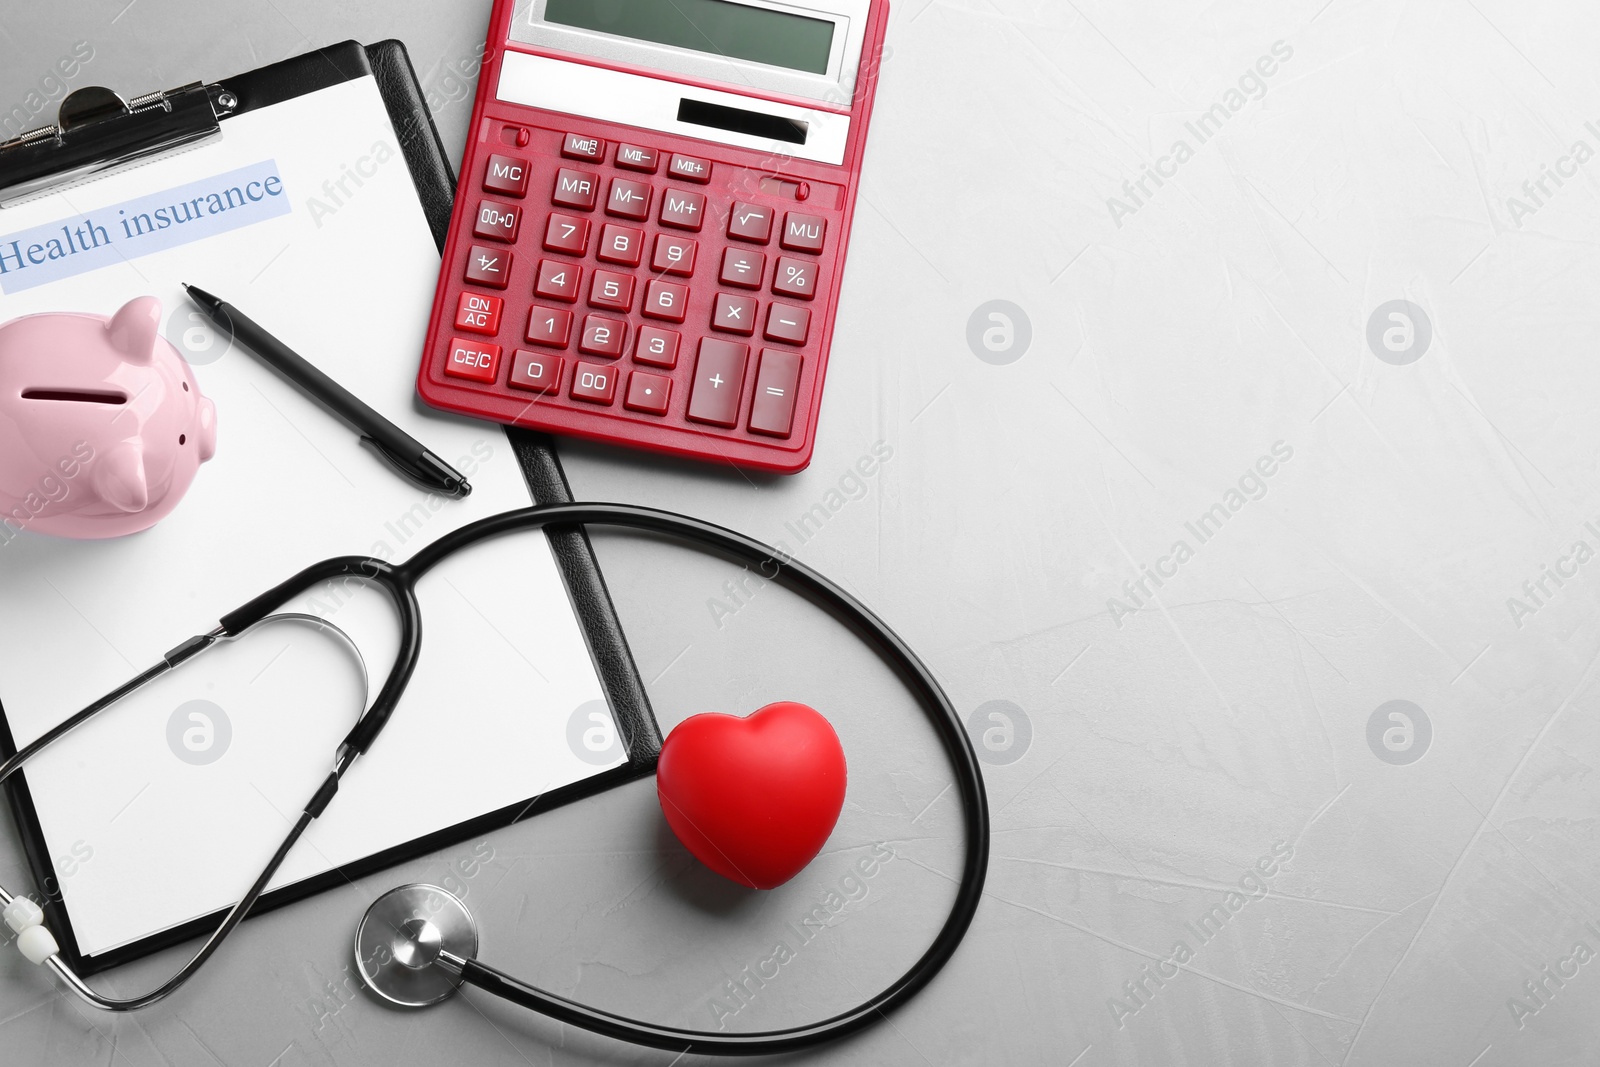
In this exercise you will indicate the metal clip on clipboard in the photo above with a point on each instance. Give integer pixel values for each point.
(97, 133)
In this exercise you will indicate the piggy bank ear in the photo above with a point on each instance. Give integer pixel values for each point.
(206, 439)
(119, 478)
(132, 329)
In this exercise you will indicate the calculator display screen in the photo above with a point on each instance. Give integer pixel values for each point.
(720, 27)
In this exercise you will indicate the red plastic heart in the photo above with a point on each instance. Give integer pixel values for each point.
(754, 798)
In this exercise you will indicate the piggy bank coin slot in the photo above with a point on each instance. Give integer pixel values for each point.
(75, 396)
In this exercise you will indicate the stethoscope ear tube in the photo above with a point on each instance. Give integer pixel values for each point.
(366, 570)
(941, 713)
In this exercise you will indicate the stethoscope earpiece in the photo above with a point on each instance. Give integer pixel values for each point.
(408, 940)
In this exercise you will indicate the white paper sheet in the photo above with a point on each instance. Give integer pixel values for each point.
(144, 839)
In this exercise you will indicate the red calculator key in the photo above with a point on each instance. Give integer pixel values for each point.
(690, 169)
(735, 314)
(743, 268)
(621, 244)
(576, 188)
(629, 199)
(549, 326)
(788, 323)
(497, 222)
(777, 379)
(506, 174)
(666, 300)
(478, 313)
(657, 347)
(476, 361)
(603, 336)
(682, 209)
(566, 233)
(674, 255)
(648, 393)
(803, 233)
(558, 280)
(750, 222)
(718, 381)
(577, 146)
(595, 383)
(796, 277)
(611, 290)
(632, 157)
(537, 372)
(489, 266)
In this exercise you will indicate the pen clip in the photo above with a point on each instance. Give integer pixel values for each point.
(436, 480)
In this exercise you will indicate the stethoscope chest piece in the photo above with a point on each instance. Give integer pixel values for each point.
(400, 941)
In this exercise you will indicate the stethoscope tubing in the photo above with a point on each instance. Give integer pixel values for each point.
(942, 715)
(399, 581)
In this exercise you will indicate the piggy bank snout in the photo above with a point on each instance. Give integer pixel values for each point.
(206, 432)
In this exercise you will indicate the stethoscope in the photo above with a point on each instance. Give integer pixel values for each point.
(417, 944)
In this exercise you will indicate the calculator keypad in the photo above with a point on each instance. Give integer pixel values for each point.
(616, 310)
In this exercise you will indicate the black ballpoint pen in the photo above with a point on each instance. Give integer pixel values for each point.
(402, 450)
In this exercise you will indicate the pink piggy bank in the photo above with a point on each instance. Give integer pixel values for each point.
(102, 425)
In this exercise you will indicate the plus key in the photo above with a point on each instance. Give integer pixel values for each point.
(718, 382)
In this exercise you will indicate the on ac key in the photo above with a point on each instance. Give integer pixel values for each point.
(479, 313)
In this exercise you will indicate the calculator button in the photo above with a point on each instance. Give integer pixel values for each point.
(594, 382)
(748, 222)
(549, 326)
(497, 222)
(577, 146)
(743, 268)
(736, 314)
(488, 266)
(476, 361)
(657, 347)
(621, 244)
(478, 313)
(506, 174)
(690, 169)
(629, 199)
(788, 323)
(537, 372)
(674, 255)
(682, 209)
(796, 277)
(603, 337)
(666, 300)
(803, 233)
(718, 381)
(558, 280)
(647, 393)
(611, 290)
(566, 233)
(577, 188)
(632, 157)
(772, 411)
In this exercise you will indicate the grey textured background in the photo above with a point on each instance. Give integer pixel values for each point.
(1174, 341)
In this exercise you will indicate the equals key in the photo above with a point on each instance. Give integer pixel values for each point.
(772, 413)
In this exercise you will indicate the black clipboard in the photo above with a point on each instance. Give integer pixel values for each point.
(197, 111)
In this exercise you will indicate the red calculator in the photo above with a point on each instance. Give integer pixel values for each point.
(651, 222)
